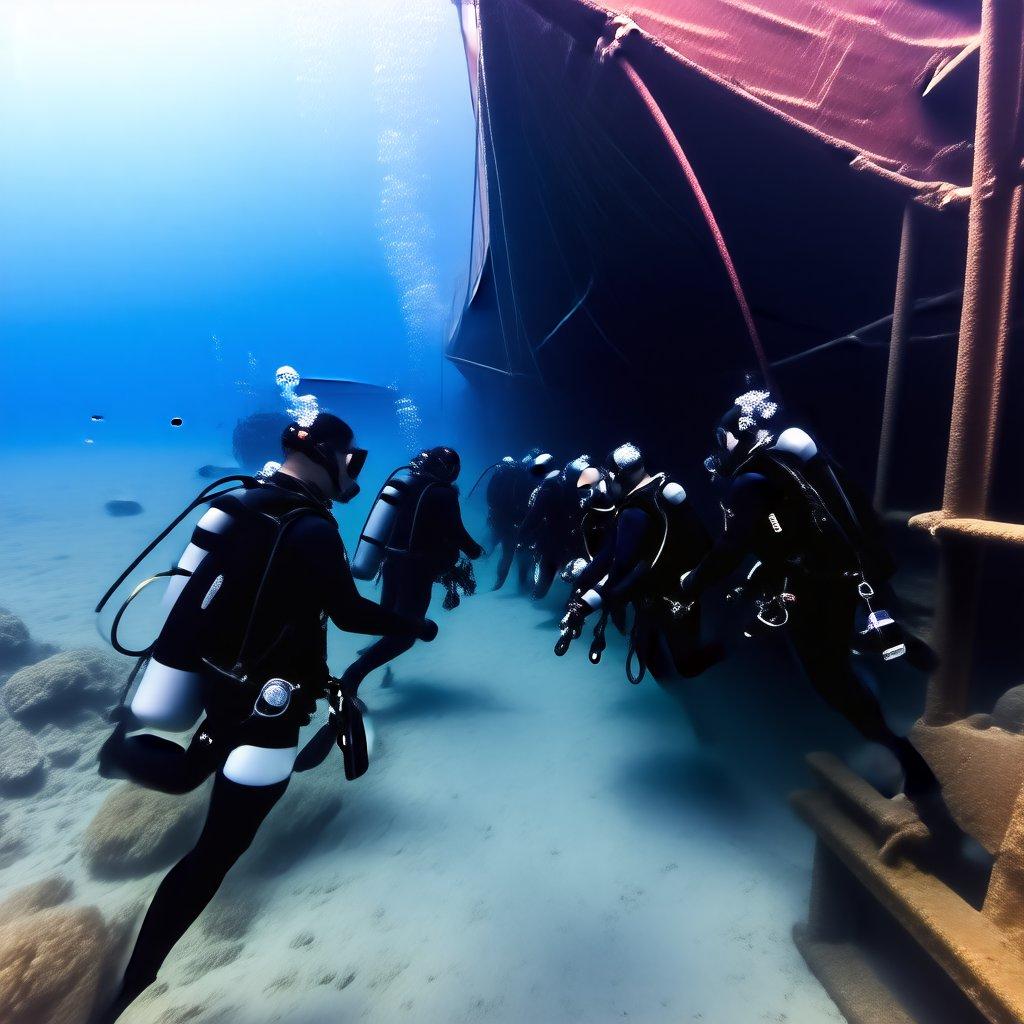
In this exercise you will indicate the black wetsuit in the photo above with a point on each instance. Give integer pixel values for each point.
(548, 530)
(309, 581)
(508, 498)
(653, 542)
(766, 517)
(426, 541)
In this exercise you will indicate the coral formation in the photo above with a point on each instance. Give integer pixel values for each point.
(30, 899)
(58, 689)
(137, 831)
(51, 962)
(15, 641)
(21, 761)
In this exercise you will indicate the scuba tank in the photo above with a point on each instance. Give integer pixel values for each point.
(380, 523)
(380, 535)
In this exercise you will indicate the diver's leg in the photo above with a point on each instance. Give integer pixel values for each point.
(820, 629)
(409, 593)
(544, 576)
(508, 553)
(155, 761)
(234, 816)
(689, 656)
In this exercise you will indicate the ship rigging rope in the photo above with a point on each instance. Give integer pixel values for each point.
(705, 207)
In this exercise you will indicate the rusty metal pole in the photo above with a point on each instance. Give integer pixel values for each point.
(982, 348)
(902, 313)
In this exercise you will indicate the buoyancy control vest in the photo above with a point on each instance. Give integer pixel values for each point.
(218, 611)
(677, 539)
(817, 523)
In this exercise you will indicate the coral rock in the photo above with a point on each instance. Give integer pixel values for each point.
(137, 831)
(1008, 713)
(15, 642)
(44, 895)
(50, 966)
(58, 689)
(21, 761)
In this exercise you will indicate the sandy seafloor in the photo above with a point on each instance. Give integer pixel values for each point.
(535, 841)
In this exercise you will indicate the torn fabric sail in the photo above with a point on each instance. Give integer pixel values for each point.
(807, 125)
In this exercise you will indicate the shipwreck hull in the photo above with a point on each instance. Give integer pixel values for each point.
(596, 284)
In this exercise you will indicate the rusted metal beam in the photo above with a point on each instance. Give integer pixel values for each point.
(903, 311)
(984, 331)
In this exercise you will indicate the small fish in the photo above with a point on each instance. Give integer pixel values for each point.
(176, 421)
(96, 418)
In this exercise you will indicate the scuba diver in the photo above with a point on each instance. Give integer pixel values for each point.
(414, 536)
(508, 499)
(821, 555)
(245, 642)
(656, 536)
(550, 529)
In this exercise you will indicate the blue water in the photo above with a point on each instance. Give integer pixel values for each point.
(192, 195)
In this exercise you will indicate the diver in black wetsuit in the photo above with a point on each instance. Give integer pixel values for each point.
(551, 526)
(244, 641)
(656, 537)
(508, 500)
(821, 553)
(425, 542)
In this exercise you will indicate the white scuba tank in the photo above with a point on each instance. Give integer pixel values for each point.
(380, 525)
(170, 696)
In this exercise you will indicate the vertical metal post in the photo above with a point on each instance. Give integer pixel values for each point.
(982, 348)
(902, 313)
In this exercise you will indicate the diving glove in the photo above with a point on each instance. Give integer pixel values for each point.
(571, 625)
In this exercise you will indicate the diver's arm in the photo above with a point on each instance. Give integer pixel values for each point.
(748, 503)
(460, 534)
(627, 568)
(325, 567)
(598, 567)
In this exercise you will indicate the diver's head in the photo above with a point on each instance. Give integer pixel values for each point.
(626, 464)
(596, 488)
(323, 454)
(441, 463)
(538, 462)
(745, 426)
(573, 468)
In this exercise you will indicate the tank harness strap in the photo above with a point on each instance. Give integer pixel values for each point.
(632, 652)
(138, 589)
(205, 496)
(480, 478)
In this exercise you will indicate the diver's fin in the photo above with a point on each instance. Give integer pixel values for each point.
(315, 752)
